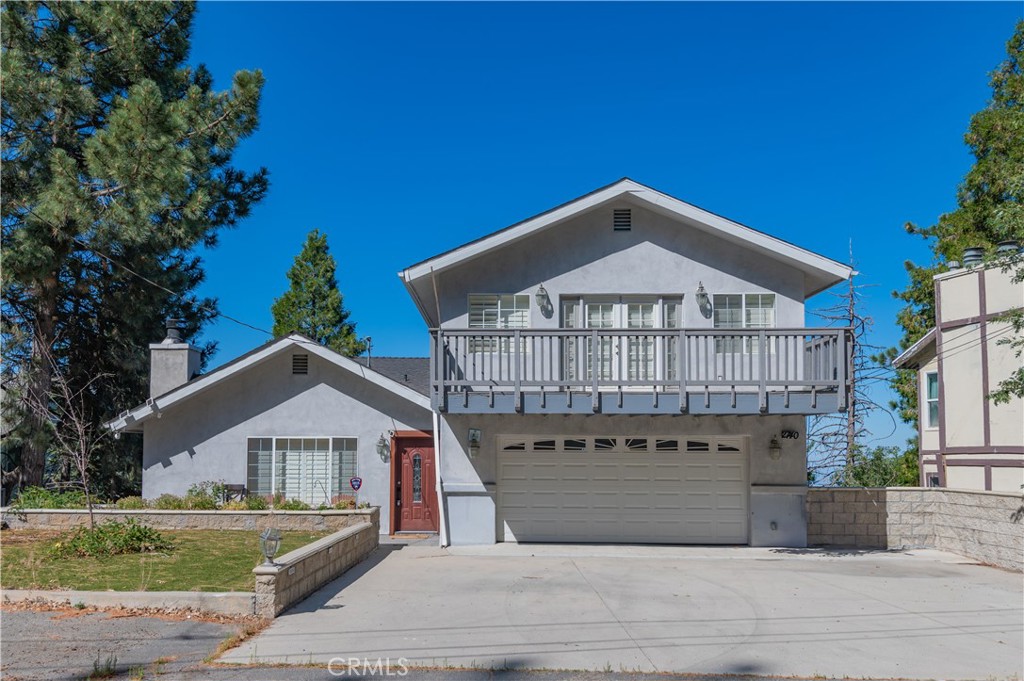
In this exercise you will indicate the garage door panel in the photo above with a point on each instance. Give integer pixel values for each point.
(640, 497)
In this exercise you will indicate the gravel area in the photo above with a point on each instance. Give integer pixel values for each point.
(66, 644)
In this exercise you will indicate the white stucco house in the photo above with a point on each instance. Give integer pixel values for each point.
(625, 367)
(966, 441)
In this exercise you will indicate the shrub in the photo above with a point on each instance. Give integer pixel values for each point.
(205, 496)
(234, 505)
(365, 504)
(292, 505)
(254, 502)
(40, 497)
(169, 502)
(110, 538)
(342, 504)
(131, 503)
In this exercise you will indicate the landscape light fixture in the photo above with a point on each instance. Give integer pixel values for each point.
(270, 542)
(384, 446)
(774, 449)
(702, 296)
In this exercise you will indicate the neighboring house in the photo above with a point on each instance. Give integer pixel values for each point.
(967, 441)
(627, 367)
(290, 417)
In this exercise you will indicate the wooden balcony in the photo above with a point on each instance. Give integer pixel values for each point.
(648, 371)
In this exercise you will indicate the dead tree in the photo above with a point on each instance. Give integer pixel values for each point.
(834, 441)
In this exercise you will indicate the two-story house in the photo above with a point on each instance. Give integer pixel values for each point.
(966, 441)
(625, 367)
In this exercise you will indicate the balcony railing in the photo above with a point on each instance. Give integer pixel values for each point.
(640, 371)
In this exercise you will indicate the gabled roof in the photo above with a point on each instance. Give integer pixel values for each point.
(820, 272)
(908, 356)
(132, 419)
(413, 372)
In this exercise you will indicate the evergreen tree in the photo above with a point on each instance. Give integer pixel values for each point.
(313, 305)
(116, 164)
(989, 210)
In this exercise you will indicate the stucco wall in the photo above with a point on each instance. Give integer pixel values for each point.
(469, 483)
(205, 437)
(658, 256)
(985, 526)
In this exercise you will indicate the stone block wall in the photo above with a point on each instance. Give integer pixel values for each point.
(985, 526)
(296, 575)
(306, 521)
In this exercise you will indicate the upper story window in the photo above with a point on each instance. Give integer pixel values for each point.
(490, 311)
(742, 311)
(931, 387)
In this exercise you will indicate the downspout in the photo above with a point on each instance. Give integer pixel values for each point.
(442, 515)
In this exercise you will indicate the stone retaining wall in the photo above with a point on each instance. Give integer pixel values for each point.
(985, 526)
(296, 575)
(306, 521)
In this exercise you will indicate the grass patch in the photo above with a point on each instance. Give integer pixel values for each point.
(202, 560)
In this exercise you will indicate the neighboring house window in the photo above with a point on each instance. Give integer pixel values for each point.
(933, 480)
(489, 311)
(931, 383)
(315, 470)
(742, 311)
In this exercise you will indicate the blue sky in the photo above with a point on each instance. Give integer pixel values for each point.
(405, 129)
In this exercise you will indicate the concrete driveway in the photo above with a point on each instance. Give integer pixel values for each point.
(916, 614)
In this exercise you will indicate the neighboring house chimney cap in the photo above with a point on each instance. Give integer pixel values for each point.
(174, 329)
(1008, 247)
(973, 256)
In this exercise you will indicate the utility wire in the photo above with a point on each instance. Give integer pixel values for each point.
(214, 311)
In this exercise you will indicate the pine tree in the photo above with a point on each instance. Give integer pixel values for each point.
(313, 305)
(989, 210)
(116, 164)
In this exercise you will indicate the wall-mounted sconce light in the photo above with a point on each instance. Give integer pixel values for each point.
(702, 296)
(774, 450)
(474, 441)
(542, 298)
(384, 446)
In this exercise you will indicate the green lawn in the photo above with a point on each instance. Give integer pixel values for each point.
(202, 560)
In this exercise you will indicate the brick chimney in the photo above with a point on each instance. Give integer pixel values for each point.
(172, 362)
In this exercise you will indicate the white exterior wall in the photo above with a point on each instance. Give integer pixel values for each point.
(204, 437)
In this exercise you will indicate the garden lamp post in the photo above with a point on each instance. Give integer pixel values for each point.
(270, 542)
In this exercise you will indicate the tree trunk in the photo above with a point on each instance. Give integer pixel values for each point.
(33, 456)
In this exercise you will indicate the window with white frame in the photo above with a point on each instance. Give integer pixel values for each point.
(742, 311)
(315, 470)
(931, 387)
(643, 357)
(497, 311)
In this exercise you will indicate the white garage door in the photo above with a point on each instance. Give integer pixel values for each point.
(665, 490)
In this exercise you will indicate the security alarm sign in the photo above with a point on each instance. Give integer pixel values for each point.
(355, 483)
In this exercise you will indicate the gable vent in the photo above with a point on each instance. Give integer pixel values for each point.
(300, 364)
(622, 219)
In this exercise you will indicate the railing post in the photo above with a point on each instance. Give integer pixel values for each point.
(762, 370)
(843, 355)
(593, 371)
(681, 358)
(440, 366)
(518, 381)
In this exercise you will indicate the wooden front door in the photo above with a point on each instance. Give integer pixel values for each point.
(415, 491)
